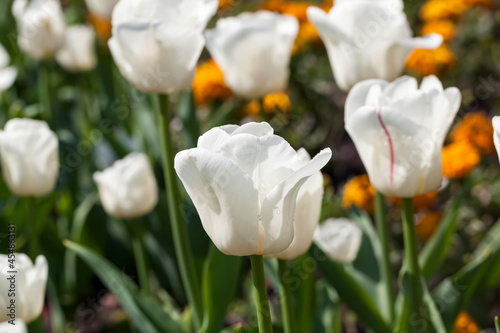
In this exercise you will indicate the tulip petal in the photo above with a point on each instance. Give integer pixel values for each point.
(496, 134)
(19, 327)
(429, 41)
(278, 207)
(225, 198)
(7, 77)
(340, 239)
(215, 137)
(398, 153)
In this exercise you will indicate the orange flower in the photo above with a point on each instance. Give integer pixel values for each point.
(482, 3)
(359, 192)
(208, 84)
(426, 224)
(272, 102)
(306, 36)
(445, 28)
(459, 159)
(420, 202)
(225, 4)
(427, 62)
(442, 10)
(102, 27)
(465, 324)
(477, 129)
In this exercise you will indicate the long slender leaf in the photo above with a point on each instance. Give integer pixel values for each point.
(350, 291)
(220, 279)
(144, 312)
(436, 249)
(497, 325)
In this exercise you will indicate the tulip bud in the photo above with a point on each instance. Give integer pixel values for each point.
(19, 327)
(156, 45)
(27, 288)
(101, 8)
(8, 74)
(128, 188)
(253, 50)
(340, 239)
(399, 131)
(78, 52)
(307, 212)
(496, 134)
(367, 39)
(40, 27)
(244, 182)
(30, 157)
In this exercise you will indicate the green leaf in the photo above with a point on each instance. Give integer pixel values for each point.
(350, 291)
(436, 249)
(497, 325)
(187, 113)
(221, 274)
(145, 313)
(367, 267)
(453, 294)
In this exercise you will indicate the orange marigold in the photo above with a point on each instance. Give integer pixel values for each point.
(477, 129)
(272, 102)
(426, 224)
(208, 84)
(465, 324)
(102, 27)
(442, 10)
(359, 192)
(225, 4)
(420, 202)
(427, 62)
(306, 36)
(481, 3)
(459, 159)
(445, 28)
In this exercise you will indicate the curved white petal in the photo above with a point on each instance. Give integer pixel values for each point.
(225, 198)
(340, 239)
(8, 76)
(18, 327)
(496, 134)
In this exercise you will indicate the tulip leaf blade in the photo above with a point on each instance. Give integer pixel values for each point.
(436, 249)
(462, 285)
(497, 325)
(220, 279)
(350, 291)
(145, 313)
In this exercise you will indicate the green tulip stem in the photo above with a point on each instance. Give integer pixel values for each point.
(384, 236)
(286, 298)
(182, 247)
(411, 257)
(33, 237)
(44, 91)
(262, 110)
(260, 291)
(140, 257)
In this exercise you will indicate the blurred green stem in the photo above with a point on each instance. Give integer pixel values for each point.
(285, 298)
(385, 237)
(307, 294)
(183, 252)
(411, 257)
(44, 90)
(260, 290)
(33, 237)
(263, 114)
(139, 256)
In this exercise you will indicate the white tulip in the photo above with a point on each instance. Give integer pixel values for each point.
(253, 51)
(30, 282)
(367, 39)
(30, 157)
(307, 212)
(496, 135)
(78, 52)
(399, 131)
(40, 27)
(340, 239)
(192, 13)
(102, 8)
(157, 45)
(18, 327)
(244, 181)
(128, 188)
(8, 74)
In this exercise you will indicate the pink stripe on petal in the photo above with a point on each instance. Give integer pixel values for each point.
(391, 147)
